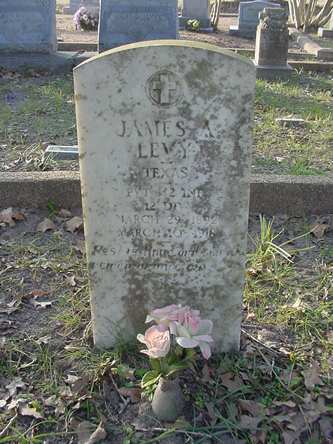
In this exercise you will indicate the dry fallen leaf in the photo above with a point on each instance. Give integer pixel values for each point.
(38, 293)
(29, 411)
(4, 397)
(3, 403)
(44, 340)
(259, 437)
(46, 225)
(290, 404)
(74, 224)
(252, 407)
(8, 310)
(249, 423)
(42, 304)
(134, 393)
(51, 401)
(8, 216)
(71, 280)
(64, 213)
(289, 437)
(61, 408)
(299, 304)
(15, 403)
(34, 295)
(206, 372)
(253, 271)
(78, 384)
(312, 376)
(15, 384)
(319, 230)
(231, 381)
(66, 393)
(72, 379)
(326, 428)
(86, 437)
(211, 413)
(80, 246)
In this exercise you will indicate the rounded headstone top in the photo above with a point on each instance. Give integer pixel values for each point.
(169, 43)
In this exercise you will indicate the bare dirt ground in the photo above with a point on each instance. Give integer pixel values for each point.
(67, 33)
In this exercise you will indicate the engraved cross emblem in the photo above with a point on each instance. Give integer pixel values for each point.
(164, 88)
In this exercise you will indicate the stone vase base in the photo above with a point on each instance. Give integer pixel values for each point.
(168, 401)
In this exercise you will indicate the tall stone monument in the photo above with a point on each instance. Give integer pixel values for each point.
(28, 26)
(125, 21)
(272, 41)
(164, 130)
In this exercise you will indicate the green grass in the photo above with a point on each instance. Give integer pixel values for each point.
(323, 42)
(38, 110)
(298, 151)
(277, 294)
(33, 112)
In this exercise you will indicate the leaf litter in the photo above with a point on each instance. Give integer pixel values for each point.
(277, 389)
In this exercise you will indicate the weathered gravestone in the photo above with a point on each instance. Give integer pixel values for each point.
(74, 5)
(272, 43)
(28, 26)
(248, 18)
(165, 153)
(126, 21)
(327, 32)
(196, 9)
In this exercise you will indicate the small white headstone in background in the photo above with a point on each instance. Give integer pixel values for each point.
(164, 132)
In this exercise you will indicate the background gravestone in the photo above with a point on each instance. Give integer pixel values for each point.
(126, 21)
(165, 154)
(248, 17)
(28, 26)
(196, 9)
(272, 41)
(327, 32)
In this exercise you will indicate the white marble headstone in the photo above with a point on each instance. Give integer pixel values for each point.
(165, 151)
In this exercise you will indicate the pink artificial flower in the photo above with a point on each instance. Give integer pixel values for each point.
(189, 318)
(157, 340)
(199, 336)
(171, 314)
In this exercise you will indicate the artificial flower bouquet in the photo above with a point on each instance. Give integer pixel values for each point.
(172, 341)
(86, 20)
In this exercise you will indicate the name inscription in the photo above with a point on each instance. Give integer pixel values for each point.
(168, 209)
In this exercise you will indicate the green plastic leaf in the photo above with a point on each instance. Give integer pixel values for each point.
(155, 364)
(177, 367)
(150, 378)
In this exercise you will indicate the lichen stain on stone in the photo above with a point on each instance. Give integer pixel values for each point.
(207, 279)
(200, 78)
